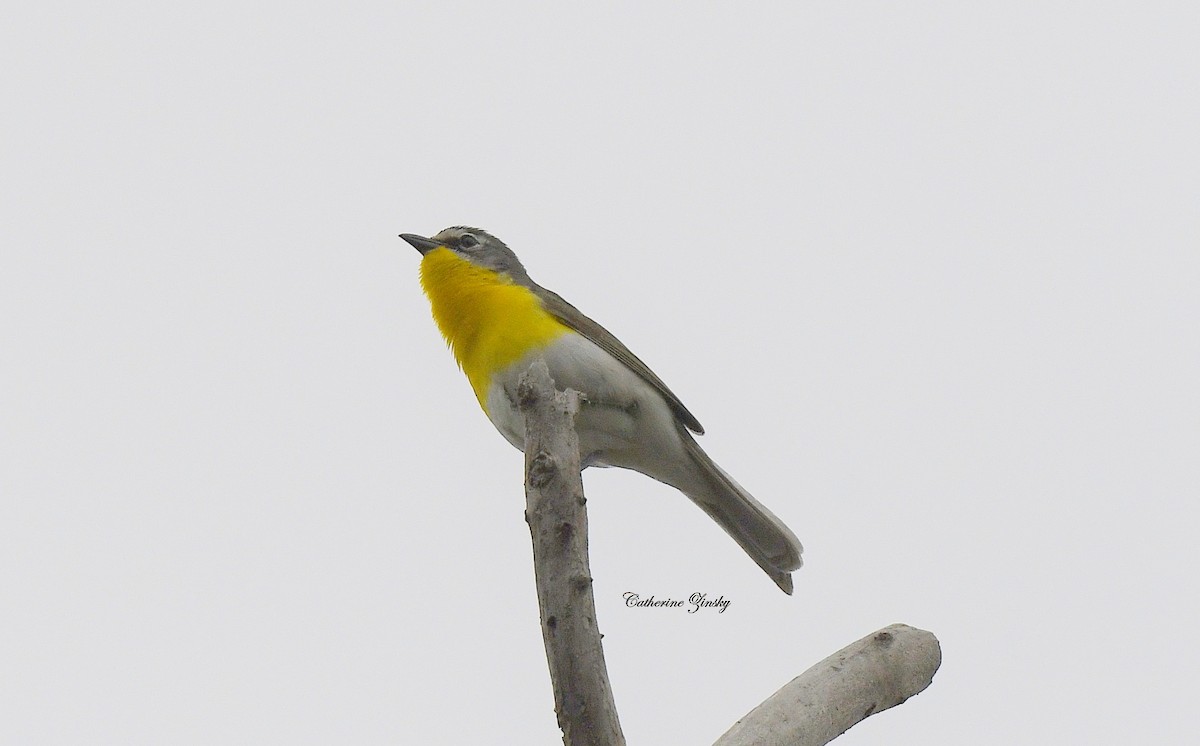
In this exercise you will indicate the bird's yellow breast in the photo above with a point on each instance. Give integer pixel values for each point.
(489, 321)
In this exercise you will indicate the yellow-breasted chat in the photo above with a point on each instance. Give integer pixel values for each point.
(497, 320)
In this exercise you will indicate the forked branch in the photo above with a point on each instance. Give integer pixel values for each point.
(877, 672)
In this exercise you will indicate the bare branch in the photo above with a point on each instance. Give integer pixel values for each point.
(869, 676)
(558, 523)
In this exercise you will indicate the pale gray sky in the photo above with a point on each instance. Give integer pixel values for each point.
(927, 272)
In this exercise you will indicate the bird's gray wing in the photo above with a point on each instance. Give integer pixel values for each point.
(575, 319)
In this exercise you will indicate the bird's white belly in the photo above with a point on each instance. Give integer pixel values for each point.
(622, 420)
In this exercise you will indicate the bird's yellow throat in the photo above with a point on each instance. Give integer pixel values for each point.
(489, 321)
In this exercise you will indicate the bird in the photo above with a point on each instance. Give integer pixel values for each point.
(496, 321)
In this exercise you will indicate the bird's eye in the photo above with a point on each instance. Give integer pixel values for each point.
(466, 241)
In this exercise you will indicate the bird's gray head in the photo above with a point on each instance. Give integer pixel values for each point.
(476, 246)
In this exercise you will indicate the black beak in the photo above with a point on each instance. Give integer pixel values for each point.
(420, 243)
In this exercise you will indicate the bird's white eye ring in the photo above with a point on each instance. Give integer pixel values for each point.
(466, 241)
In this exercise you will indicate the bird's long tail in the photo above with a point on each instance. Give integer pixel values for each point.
(760, 533)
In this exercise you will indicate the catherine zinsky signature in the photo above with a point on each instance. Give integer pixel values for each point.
(695, 602)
